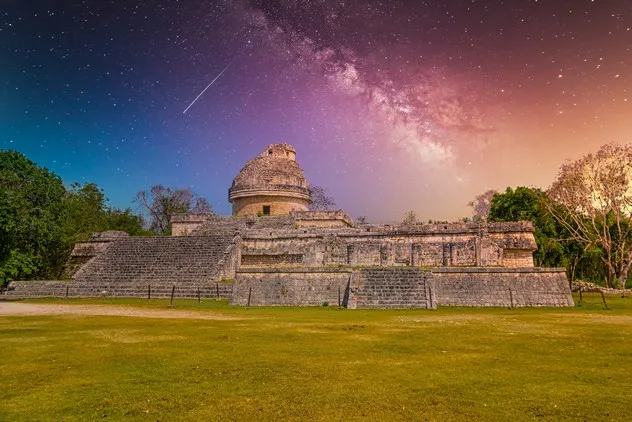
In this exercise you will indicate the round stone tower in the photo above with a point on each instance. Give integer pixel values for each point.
(270, 184)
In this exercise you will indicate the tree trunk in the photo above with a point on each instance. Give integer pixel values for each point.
(623, 276)
(610, 273)
(572, 265)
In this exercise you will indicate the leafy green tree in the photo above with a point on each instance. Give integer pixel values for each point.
(31, 202)
(126, 220)
(85, 211)
(557, 247)
(526, 204)
(40, 220)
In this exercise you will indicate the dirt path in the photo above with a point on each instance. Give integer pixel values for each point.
(35, 309)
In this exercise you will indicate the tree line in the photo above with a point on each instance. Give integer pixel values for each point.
(41, 218)
(582, 222)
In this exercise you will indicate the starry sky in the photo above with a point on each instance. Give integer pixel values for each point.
(391, 105)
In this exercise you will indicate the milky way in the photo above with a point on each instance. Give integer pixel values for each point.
(391, 105)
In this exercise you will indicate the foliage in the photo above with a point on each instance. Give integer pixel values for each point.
(31, 201)
(40, 220)
(320, 200)
(556, 245)
(84, 211)
(481, 205)
(594, 194)
(161, 203)
(125, 220)
(531, 204)
(410, 218)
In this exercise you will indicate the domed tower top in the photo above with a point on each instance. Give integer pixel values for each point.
(270, 184)
(280, 151)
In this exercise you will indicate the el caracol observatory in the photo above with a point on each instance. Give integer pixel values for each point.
(273, 251)
(270, 184)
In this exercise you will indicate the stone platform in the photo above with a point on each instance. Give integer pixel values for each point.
(315, 258)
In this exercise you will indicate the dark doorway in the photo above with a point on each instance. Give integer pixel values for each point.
(266, 210)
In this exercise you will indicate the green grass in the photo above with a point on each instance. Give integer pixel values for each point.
(320, 364)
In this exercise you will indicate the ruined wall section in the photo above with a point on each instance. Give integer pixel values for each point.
(290, 287)
(81, 254)
(506, 287)
(235, 225)
(84, 252)
(186, 224)
(322, 219)
(456, 245)
(55, 288)
(229, 262)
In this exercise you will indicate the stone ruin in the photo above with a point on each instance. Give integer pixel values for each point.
(273, 251)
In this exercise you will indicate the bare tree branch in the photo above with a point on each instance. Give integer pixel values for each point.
(161, 203)
(594, 194)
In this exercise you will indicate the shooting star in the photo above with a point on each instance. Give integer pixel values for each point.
(208, 86)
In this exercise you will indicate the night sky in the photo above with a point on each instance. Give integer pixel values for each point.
(391, 105)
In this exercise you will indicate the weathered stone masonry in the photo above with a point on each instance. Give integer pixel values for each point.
(297, 257)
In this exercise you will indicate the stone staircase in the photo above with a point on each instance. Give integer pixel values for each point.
(391, 288)
(139, 266)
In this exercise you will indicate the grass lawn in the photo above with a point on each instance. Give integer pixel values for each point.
(320, 364)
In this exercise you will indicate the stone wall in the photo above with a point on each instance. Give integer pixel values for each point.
(290, 287)
(186, 224)
(229, 261)
(81, 254)
(324, 219)
(234, 225)
(155, 289)
(391, 288)
(36, 288)
(402, 287)
(354, 247)
(275, 262)
(279, 205)
(507, 287)
(517, 258)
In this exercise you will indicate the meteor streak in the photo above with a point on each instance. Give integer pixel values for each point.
(208, 86)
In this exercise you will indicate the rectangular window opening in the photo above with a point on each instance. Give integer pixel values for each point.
(266, 210)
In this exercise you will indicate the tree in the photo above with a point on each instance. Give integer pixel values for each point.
(126, 220)
(84, 211)
(320, 200)
(160, 203)
(481, 205)
(410, 218)
(41, 220)
(595, 197)
(528, 204)
(31, 201)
